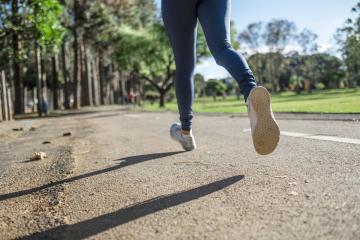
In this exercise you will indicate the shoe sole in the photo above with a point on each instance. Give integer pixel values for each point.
(266, 134)
(184, 146)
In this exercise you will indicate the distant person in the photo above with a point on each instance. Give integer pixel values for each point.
(45, 106)
(131, 97)
(180, 19)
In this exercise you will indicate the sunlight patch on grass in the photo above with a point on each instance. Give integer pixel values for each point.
(329, 101)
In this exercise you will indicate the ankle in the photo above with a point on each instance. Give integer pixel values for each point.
(186, 133)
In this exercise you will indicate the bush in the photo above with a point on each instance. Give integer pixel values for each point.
(268, 86)
(152, 96)
(171, 95)
(319, 86)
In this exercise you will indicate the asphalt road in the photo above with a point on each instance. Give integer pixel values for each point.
(119, 176)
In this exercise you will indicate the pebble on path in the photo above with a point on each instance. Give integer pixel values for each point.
(280, 176)
(293, 193)
(38, 156)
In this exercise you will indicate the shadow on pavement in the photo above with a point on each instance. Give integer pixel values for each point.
(105, 222)
(127, 161)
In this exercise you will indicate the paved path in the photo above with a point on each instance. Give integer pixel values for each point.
(120, 177)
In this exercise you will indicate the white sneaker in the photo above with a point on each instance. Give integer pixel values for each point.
(264, 129)
(186, 141)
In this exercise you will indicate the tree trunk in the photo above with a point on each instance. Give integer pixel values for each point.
(77, 59)
(102, 80)
(38, 82)
(89, 91)
(44, 95)
(33, 95)
(1, 105)
(55, 81)
(25, 91)
(85, 77)
(65, 76)
(122, 87)
(83, 81)
(18, 84)
(95, 82)
(162, 98)
(9, 104)
(141, 91)
(110, 85)
(77, 74)
(116, 87)
(4, 104)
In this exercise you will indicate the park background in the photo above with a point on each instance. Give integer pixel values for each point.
(58, 55)
(99, 162)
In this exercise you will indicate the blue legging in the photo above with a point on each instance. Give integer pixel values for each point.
(180, 19)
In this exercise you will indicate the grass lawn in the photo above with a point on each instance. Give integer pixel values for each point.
(327, 101)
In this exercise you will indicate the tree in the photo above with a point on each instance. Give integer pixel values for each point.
(23, 23)
(278, 34)
(258, 63)
(92, 28)
(77, 54)
(48, 32)
(297, 69)
(326, 69)
(148, 56)
(349, 39)
(252, 36)
(12, 28)
(215, 88)
(200, 85)
(307, 41)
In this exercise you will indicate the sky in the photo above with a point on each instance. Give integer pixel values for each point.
(320, 16)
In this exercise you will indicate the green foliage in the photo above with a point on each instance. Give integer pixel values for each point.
(276, 35)
(252, 36)
(129, 48)
(146, 52)
(158, 59)
(296, 71)
(215, 88)
(142, 14)
(127, 36)
(349, 38)
(134, 13)
(99, 26)
(324, 68)
(200, 85)
(307, 41)
(151, 96)
(326, 101)
(319, 86)
(45, 18)
(36, 20)
(276, 68)
(171, 95)
(279, 33)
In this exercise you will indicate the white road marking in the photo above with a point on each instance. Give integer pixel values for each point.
(336, 139)
(317, 137)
